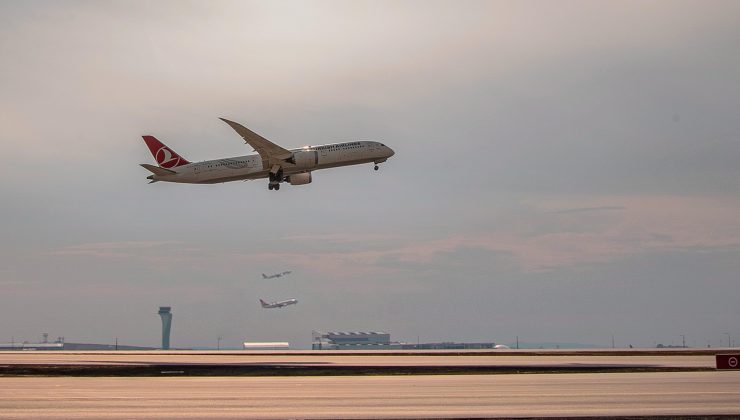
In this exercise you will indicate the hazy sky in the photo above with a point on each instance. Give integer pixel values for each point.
(564, 171)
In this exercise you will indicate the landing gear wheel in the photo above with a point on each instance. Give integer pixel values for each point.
(376, 167)
(275, 179)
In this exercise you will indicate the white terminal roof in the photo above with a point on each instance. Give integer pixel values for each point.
(266, 344)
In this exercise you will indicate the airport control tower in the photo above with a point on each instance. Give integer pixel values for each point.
(164, 312)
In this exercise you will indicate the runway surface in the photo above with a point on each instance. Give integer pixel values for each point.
(610, 394)
(238, 384)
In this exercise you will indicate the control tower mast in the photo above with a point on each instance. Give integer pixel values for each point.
(164, 312)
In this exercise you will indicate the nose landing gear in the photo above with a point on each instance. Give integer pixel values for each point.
(379, 161)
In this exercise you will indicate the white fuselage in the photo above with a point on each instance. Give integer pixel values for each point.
(254, 167)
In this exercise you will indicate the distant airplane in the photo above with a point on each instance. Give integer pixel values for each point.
(278, 304)
(293, 166)
(276, 275)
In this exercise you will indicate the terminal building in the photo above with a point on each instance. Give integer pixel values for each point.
(357, 340)
(375, 340)
(31, 346)
(448, 345)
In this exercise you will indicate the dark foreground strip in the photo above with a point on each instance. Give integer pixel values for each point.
(415, 353)
(293, 370)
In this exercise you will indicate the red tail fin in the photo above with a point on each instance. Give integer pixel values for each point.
(165, 157)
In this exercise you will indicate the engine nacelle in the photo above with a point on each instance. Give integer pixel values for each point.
(300, 179)
(305, 159)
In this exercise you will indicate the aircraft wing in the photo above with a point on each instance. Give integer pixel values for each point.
(268, 150)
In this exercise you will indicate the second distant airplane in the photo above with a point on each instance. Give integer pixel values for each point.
(278, 304)
(274, 162)
(276, 275)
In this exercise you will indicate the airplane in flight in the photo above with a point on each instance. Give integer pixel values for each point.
(276, 275)
(273, 162)
(278, 304)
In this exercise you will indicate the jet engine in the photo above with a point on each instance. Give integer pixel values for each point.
(305, 159)
(300, 179)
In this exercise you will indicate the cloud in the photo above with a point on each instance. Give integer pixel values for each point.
(345, 237)
(588, 209)
(125, 249)
(550, 235)
(647, 224)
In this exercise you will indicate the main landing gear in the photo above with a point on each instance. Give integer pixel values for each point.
(275, 180)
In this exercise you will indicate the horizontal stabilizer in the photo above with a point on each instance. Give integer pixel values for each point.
(156, 170)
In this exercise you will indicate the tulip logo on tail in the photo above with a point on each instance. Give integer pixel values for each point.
(166, 159)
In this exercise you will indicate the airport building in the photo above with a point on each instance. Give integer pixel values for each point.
(31, 346)
(273, 345)
(357, 340)
(61, 344)
(382, 341)
(446, 345)
(26, 346)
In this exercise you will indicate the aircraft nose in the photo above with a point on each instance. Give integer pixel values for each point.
(390, 151)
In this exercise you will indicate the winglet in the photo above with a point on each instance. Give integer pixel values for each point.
(243, 131)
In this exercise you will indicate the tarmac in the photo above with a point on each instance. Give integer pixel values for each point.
(677, 384)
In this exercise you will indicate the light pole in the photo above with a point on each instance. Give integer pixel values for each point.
(728, 340)
(218, 342)
(683, 341)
